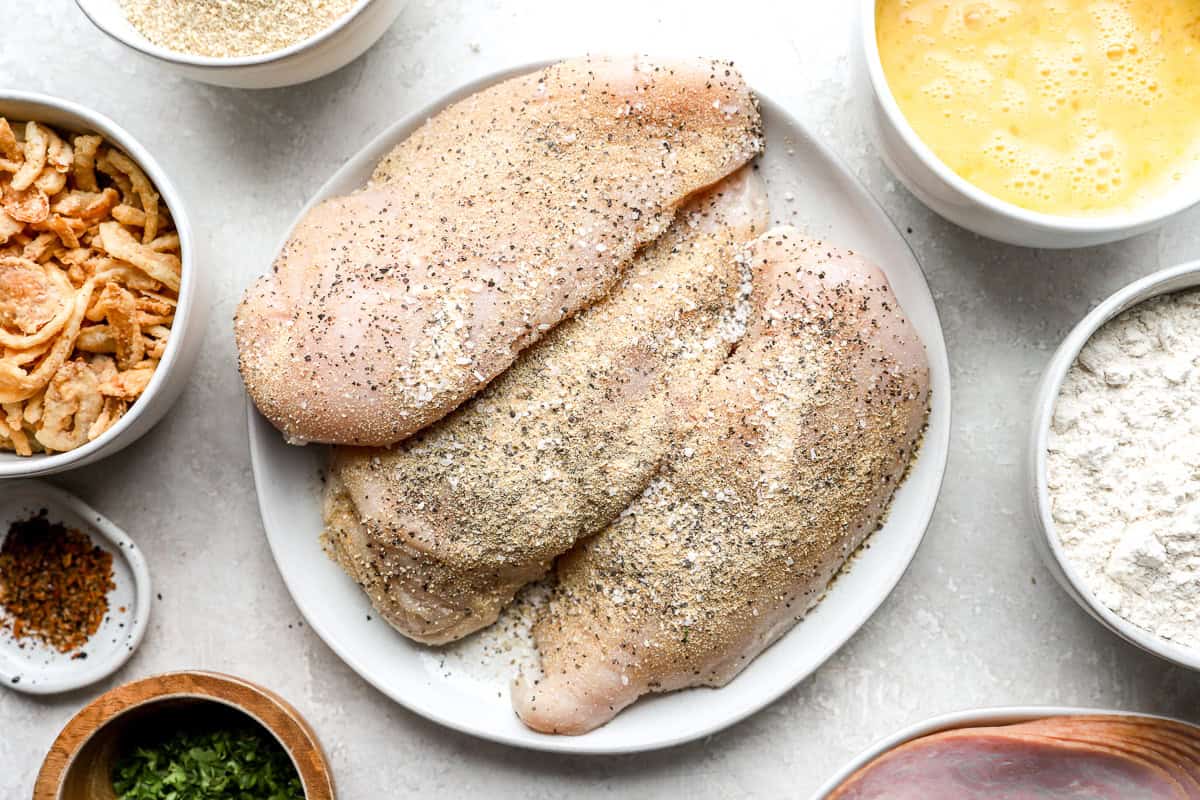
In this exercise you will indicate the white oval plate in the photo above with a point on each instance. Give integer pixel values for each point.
(28, 666)
(981, 717)
(825, 201)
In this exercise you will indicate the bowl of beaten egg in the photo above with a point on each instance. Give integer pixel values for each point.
(1044, 123)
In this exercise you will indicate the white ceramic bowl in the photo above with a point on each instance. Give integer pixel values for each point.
(1169, 280)
(318, 55)
(948, 722)
(190, 316)
(34, 668)
(963, 203)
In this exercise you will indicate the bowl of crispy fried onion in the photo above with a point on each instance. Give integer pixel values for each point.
(99, 318)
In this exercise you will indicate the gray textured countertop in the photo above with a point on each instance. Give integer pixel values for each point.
(976, 621)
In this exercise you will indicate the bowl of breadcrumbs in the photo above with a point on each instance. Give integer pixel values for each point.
(246, 44)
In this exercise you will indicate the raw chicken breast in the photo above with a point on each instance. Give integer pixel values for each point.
(795, 449)
(444, 528)
(504, 214)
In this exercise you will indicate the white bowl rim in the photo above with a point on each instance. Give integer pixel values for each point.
(121, 547)
(558, 744)
(1165, 281)
(971, 718)
(148, 48)
(1105, 223)
(40, 463)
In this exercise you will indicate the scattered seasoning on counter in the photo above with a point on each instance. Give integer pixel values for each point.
(241, 762)
(54, 583)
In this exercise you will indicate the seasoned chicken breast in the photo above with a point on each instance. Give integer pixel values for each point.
(796, 446)
(500, 217)
(444, 528)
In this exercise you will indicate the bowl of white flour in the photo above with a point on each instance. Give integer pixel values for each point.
(1115, 459)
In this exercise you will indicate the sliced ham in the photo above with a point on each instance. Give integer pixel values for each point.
(1059, 758)
(1173, 744)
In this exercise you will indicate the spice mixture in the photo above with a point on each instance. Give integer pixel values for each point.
(54, 583)
(227, 28)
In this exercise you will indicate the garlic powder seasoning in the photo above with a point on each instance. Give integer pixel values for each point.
(228, 28)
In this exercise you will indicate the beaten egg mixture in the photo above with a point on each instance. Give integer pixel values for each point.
(1068, 107)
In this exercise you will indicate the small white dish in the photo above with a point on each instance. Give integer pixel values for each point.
(191, 315)
(975, 718)
(1173, 279)
(808, 187)
(34, 668)
(331, 49)
(966, 205)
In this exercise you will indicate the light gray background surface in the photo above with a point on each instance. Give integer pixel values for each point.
(977, 620)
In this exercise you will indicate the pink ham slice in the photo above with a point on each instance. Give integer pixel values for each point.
(1173, 745)
(1064, 758)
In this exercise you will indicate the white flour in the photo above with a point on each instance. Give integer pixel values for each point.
(1124, 466)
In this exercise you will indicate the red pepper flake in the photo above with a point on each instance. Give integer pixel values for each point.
(54, 583)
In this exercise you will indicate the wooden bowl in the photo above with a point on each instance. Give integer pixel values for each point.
(79, 764)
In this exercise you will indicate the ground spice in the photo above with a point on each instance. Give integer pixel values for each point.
(54, 583)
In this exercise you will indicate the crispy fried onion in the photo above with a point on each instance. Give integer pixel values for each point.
(23, 357)
(89, 278)
(36, 301)
(10, 148)
(9, 227)
(84, 167)
(120, 308)
(12, 428)
(30, 204)
(119, 243)
(87, 206)
(37, 143)
(117, 162)
(71, 406)
(17, 384)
